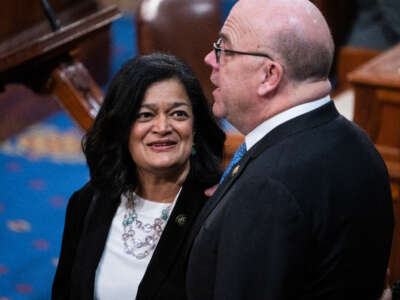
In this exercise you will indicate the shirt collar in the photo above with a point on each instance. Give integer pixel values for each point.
(265, 127)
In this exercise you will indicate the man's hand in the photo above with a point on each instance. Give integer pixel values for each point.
(210, 191)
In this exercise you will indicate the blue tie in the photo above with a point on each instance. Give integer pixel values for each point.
(240, 152)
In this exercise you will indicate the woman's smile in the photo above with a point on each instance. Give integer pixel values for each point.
(162, 145)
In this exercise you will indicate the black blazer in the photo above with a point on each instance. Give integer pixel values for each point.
(81, 251)
(308, 215)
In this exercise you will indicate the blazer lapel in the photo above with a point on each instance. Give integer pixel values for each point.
(92, 244)
(168, 252)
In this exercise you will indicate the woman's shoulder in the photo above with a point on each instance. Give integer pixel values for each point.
(81, 199)
(202, 180)
(86, 190)
(196, 185)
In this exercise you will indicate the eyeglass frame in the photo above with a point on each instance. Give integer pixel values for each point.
(218, 50)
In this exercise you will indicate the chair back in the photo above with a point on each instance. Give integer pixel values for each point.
(184, 28)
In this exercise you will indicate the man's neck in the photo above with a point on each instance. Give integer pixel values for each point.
(268, 125)
(292, 95)
(309, 91)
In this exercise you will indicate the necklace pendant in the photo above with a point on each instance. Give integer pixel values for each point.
(138, 224)
(138, 243)
(149, 240)
(131, 239)
(165, 214)
(142, 255)
(148, 228)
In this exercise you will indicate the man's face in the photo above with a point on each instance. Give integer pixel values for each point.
(234, 74)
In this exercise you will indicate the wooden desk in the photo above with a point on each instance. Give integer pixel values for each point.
(377, 110)
(48, 61)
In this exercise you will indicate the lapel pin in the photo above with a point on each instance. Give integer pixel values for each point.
(235, 170)
(181, 220)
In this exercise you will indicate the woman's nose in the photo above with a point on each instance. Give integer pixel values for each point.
(162, 125)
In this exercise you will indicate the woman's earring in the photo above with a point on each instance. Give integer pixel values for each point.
(193, 145)
(193, 150)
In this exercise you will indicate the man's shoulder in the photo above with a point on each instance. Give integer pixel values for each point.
(323, 154)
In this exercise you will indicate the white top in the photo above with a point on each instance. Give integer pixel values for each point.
(119, 274)
(261, 130)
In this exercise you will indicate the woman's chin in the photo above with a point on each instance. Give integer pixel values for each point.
(169, 167)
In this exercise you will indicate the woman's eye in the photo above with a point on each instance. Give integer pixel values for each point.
(180, 114)
(144, 116)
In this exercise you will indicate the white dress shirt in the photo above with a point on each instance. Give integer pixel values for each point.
(265, 127)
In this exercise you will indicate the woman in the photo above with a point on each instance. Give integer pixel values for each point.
(152, 151)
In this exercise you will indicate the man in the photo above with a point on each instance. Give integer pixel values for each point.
(306, 213)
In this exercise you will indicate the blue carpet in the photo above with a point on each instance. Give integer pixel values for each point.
(40, 169)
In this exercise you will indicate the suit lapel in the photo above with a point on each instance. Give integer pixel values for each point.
(220, 192)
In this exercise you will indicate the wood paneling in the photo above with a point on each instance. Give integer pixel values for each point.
(377, 110)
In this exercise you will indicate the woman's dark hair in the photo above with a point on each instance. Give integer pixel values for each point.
(106, 144)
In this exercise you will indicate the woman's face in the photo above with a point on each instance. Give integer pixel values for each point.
(161, 138)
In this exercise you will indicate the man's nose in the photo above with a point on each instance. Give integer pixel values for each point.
(211, 60)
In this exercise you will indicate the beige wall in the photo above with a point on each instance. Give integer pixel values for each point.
(124, 5)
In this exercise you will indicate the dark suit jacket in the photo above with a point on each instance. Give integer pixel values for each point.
(308, 215)
(81, 252)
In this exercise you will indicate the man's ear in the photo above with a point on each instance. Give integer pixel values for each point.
(272, 74)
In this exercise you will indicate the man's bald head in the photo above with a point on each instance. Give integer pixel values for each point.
(294, 32)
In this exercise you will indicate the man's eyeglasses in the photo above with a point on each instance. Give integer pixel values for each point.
(218, 50)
